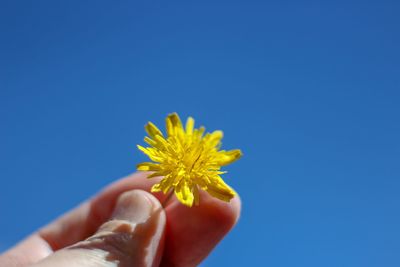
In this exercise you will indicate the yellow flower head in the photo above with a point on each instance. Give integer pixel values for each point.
(188, 160)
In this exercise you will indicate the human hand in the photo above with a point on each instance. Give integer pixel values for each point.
(126, 226)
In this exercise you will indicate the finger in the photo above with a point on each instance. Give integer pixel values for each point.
(84, 220)
(133, 237)
(192, 233)
(31, 250)
(76, 225)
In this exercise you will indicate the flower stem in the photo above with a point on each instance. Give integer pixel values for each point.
(167, 199)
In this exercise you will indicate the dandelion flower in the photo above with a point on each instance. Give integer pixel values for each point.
(188, 160)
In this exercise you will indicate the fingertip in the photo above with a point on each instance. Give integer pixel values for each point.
(137, 206)
(236, 206)
(133, 236)
(226, 214)
(193, 232)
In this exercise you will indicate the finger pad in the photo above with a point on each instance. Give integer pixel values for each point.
(193, 232)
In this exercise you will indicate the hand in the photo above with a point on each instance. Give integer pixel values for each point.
(126, 226)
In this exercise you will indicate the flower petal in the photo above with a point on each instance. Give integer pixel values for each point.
(157, 174)
(156, 188)
(174, 124)
(198, 135)
(148, 166)
(152, 130)
(188, 160)
(164, 185)
(189, 125)
(151, 153)
(227, 157)
(184, 193)
(214, 138)
(150, 141)
(219, 189)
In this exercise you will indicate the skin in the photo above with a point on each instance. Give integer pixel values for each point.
(124, 225)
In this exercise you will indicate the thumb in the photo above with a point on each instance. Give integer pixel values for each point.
(133, 237)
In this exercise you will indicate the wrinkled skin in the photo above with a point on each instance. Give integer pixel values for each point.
(124, 225)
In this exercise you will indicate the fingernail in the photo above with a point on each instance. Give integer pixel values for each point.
(133, 206)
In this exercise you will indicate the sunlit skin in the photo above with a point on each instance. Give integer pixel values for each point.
(125, 225)
(186, 243)
(188, 160)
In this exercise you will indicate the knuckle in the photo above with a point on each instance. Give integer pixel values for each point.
(115, 237)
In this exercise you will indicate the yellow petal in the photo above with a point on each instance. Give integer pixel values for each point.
(162, 143)
(165, 184)
(198, 133)
(156, 188)
(188, 160)
(214, 138)
(176, 121)
(219, 189)
(148, 166)
(174, 124)
(151, 153)
(184, 193)
(189, 125)
(159, 142)
(227, 157)
(157, 174)
(144, 150)
(152, 130)
(150, 141)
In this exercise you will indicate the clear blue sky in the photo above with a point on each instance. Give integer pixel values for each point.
(309, 91)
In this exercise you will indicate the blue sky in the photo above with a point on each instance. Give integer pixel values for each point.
(308, 90)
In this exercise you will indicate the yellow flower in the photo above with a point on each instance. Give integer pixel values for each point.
(188, 160)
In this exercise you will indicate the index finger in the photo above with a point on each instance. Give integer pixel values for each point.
(190, 235)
